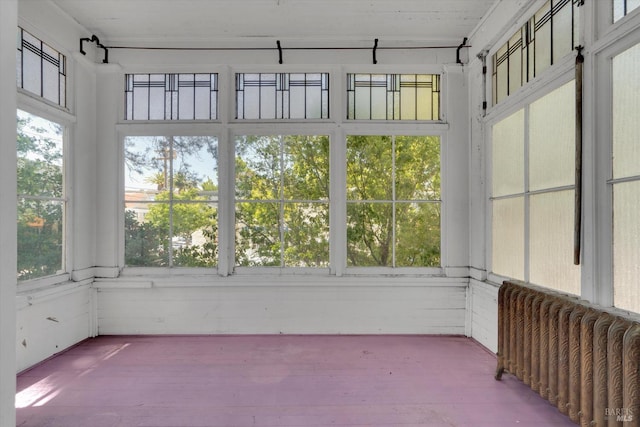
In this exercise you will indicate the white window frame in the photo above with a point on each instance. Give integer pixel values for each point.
(67, 122)
(534, 93)
(64, 116)
(613, 43)
(336, 127)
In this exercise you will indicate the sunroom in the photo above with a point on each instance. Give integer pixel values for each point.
(342, 171)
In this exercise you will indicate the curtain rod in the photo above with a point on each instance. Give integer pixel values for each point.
(283, 48)
(278, 47)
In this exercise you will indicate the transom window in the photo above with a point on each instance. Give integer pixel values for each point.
(550, 34)
(393, 201)
(170, 202)
(282, 96)
(171, 96)
(393, 97)
(41, 70)
(41, 197)
(623, 7)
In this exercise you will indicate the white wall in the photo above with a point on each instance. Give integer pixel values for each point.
(48, 323)
(8, 19)
(482, 304)
(57, 314)
(271, 303)
(288, 306)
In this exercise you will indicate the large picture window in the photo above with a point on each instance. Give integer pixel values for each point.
(282, 200)
(170, 202)
(393, 201)
(286, 200)
(41, 197)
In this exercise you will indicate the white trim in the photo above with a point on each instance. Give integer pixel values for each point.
(275, 281)
(51, 292)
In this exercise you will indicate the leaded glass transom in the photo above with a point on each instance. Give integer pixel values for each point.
(171, 96)
(549, 35)
(393, 97)
(623, 7)
(40, 69)
(282, 96)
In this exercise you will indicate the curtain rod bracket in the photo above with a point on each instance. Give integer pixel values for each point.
(95, 39)
(279, 51)
(375, 47)
(458, 60)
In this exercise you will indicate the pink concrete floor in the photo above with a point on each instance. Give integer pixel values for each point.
(279, 381)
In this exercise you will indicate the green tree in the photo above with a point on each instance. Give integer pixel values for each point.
(282, 203)
(282, 187)
(393, 214)
(40, 193)
(180, 227)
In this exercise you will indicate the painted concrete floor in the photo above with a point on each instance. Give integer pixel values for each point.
(281, 381)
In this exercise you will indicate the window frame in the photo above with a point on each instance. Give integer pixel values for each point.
(227, 127)
(537, 90)
(169, 130)
(69, 76)
(605, 182)
(435, 270)
(67, 122)
(64, 116)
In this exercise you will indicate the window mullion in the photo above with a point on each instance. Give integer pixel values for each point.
(281, 224)
(527, 196)
(393, 200)
(170, 248)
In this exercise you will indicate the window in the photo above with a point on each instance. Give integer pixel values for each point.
(550, 34)
(393, 201)
(41, 70)
(276, 197)
(533, 192)
(626, 180)
(282, 96)
(170, 202)
(282, 200)
(393, 96)
(171, 97)
(41, 196)
(623, 7)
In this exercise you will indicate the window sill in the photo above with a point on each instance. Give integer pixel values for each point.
(158, 278)
(47, 288)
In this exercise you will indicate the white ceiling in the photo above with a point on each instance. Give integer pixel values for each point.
(260, 22)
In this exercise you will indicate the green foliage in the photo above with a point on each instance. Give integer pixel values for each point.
(377, 176)
(180, 227)
(284, 218)
(145, 243)
(39, 183)
(282, 203)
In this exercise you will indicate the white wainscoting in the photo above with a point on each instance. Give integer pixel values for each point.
(52, 320)
(287, 305)
(484, 313)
